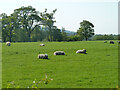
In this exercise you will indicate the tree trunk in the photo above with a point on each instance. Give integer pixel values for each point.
(50, 36)
(29, 35)
(10, 36)
(50, 33)
(86, 38)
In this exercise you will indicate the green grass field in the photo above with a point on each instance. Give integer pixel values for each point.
(96, 69)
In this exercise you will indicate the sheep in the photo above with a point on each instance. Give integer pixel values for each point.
(105, 41)
(42, 44)
(111, 42)
(43, 56)
(8, 43)
(81, 51)
(59, 53)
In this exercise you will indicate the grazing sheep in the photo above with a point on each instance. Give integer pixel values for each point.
(43, 56)
(59, 53)
(42, 44)
(105, 41)
(8, 43)
(81, 51)
(111, 42)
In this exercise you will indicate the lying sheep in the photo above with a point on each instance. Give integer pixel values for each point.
(111, 42)
(81, 51)
(59, 53)
(43, 56)
(105, 41)
(8, 43)
(42, 44)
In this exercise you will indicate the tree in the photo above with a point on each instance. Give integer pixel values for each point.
(118, 37)
(4, 24)
(105, 37)
(27, 19)
(64, 34)
(39, 34)
(23, 21)
(10, 27)
(48, 21)
(57, 34)
(74, 38)
(86, 29)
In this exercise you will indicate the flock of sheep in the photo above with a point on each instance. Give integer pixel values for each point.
(45, 56)
(112, 42)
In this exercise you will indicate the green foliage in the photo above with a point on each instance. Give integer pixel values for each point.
(118, 37)
(4, 27)
(48, 21)
(64, 34)
(105, 37)
(39, 34)
(27, 18)
(57, 35)
(96, 69)
(86, 29)
(75, 38)
(25, 24)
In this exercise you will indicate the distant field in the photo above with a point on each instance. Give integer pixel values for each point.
(96, 69)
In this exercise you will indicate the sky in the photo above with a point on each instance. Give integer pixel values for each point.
(102, 13)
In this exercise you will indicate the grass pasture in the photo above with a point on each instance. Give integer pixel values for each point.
(96, 69)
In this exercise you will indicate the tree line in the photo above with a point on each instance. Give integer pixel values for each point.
(26, 24)
(106, 37)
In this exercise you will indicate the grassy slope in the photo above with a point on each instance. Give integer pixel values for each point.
(97, 69)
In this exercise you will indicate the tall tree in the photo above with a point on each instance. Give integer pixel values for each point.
(48, 21)
(4, 24)
(86, 29)
(10, 26)
(27, 19)
(118, 37)
(7, 27)
(64, 34)
(57, 36)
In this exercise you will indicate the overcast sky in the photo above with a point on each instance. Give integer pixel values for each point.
(102, 13)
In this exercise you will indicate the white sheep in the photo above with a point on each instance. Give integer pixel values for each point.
(8, 43)
(43, 56)
(42, 44)
(81, 51)
(59, 53)
(105, 41)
